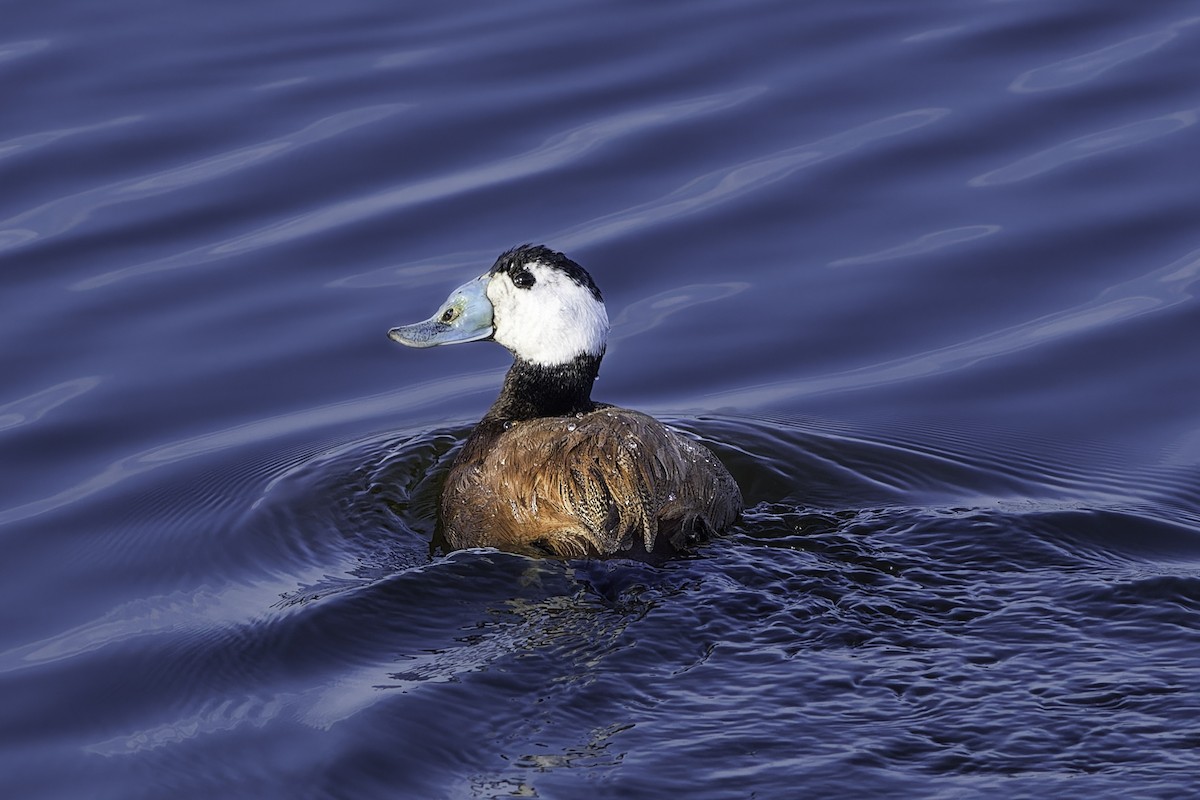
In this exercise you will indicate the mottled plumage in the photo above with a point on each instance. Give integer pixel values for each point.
(606, 482)
(547, 471)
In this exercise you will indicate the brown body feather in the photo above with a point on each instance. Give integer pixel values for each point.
(608, 482)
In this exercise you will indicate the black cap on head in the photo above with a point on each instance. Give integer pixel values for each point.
(513, 263)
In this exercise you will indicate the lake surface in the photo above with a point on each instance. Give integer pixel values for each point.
(923, 274)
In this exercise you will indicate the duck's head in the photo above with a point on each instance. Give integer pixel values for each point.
(536, 302)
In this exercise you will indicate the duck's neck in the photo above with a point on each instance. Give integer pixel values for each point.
(533, 390)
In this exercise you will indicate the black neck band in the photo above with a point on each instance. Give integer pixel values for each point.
(532, 390)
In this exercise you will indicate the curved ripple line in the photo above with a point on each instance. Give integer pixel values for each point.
(1085, 67)
(927, 243)
(214, 717)
(700, 194)
(14, 50)
(321, 706)
(202, 608)
(557, 151)
(61, 215)
(1093, 144)
(650, 312)
(429, 393)
(403, 58)
(1103, 483)
(1162, 288)
(33, 141)
(282, 83)
(934, 33)
(33, 407)
(358, 686)
(722, 185)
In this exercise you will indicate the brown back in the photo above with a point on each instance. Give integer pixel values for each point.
(609, 482)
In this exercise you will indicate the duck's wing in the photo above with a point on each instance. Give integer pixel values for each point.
(610, 481)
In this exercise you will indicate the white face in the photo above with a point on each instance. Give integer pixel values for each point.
(549, 323)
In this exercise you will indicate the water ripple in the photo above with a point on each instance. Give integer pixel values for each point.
(14, 50)
(711, 189)
(362, 664)
(893, 616)
(557, 151)
(425, 394)
(33, 407)
(1085, 67)
(1093, 144)
(649, 312)
(185, 610)
(1162, 288)
(32, 141)
(922, 245)
(64, 214)
(728, 183)
(934, 33)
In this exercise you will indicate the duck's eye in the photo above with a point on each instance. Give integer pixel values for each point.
(449, 315)
(523, 279)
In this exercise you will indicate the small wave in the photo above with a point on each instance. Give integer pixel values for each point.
(1088, 146)
(14, 50)
(33, 407)
(1088, 66)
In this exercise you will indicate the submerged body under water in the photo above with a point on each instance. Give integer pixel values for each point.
(922, 276)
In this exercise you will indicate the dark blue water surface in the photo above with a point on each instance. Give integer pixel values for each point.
(924, 274)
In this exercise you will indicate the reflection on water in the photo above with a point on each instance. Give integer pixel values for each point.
(14, 50)
(193, 611)
(926, 243)
(556, 151)
(1160, 289)
(1088, 146)
(1086, 67)
(22, 145)
(62, 215)
(726, 184)
(964, 592)
(37, 405)
(719, 186)
(648, 313)
(422, 395)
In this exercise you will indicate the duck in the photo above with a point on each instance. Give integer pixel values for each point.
(548, 471)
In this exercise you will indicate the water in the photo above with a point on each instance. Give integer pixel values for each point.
(924, 275)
